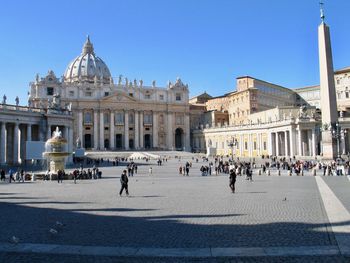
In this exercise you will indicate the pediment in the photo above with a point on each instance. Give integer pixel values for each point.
(118, 97)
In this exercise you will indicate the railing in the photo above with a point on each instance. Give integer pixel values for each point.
(10, 107)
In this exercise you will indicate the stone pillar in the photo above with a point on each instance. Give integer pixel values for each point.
(342, 142)
(80, 127)
(48, 132)
(102, 131)
(270, 143)
(16, 143)
(286, 148)
(66, 136)
(313, 142)
(155, 129)
(291, 143)
(126, 130)
(3, 143)
(137, 132)
(241, 145)
(70, 145)
(141, 130)
(277, 144)
(29, 132)
(95, 130)
(300, 143)
(111, 132)
(187, 133)
(170, 139)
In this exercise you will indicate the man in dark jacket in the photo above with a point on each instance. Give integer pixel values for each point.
(124, 183)
(232, 180)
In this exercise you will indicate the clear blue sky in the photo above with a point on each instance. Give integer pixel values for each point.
(208, 43)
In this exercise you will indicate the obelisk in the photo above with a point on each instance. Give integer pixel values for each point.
(327, 89)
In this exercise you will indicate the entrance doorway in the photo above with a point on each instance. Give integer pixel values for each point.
(118, 141)
(87, 141)
(131, 143)
(179, 139)
(106, 143)
(147, 141)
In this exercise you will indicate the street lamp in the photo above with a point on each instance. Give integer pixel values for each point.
(338, 133)
(232, 143)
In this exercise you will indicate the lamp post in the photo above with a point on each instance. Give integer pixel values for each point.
(338, 133)
(232, 143)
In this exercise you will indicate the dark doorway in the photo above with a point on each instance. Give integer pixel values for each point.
(147, 141)
(87, 141)
(179, 139)
(106, 144)
(118, 141)
(131, 143)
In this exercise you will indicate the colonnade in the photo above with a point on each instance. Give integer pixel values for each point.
(15, 134)
(137, 132)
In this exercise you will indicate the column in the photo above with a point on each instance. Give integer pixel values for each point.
(277, 144)
(3, 143)
(313, 142)
(291, 142)
(137, 132)
(286, 148)
(270, 143)
(126, 130)
(102, 131)
(16, 143)
(29, 132)
(155, 129)
(170, 140)
(66, 136)
(342, 142)
(95, 130)
(80, 127)
(70, 144)
(250, 145)
(111, 132)
(300, 143)
(187, 133)
(141, 129)
(241, 145)
(48, 132)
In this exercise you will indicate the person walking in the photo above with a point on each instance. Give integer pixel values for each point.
(2, 174)
(124, 183)
(232, 180)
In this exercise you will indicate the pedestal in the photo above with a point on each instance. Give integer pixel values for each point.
(329, 146)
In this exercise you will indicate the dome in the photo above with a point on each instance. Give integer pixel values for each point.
(87, 67)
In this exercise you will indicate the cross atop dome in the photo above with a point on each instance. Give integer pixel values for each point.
(88, 47)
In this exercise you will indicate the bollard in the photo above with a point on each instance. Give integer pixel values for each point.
(278, 172)
(314, 172)
(33, 177)
(259, 173)
(289, 173)
(302, 172)
(268, 172)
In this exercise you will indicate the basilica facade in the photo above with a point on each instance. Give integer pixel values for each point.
(125, 115)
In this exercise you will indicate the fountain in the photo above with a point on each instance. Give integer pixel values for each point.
(55, 151)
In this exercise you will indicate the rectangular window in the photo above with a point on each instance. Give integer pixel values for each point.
(106, 118)
(106, 93)
(88, 94)
(49, 91)
(147, 118)
(87, 118)
(254, 145)
(161, 97)
(71, 93)
(119, 118)
(147, 96)
(265, 146)
(246, 145)
(178, 96)
(131, 94)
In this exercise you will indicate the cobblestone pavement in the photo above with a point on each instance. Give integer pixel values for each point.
(167, 210)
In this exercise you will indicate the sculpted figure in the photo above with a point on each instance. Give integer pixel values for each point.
(4, 98)
(17, 101)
